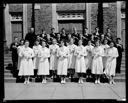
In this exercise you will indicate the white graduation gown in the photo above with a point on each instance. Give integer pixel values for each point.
(80, 61)
(36, 58)
(72, 57)
(97, 64)
(62, 54)
(19, 49)
(111, 54)
(43, 55)
(104, 59)
(88, 58)
(26, 67)
(53, 56)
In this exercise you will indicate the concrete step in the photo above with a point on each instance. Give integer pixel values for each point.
(14, 80)
(8, 74)
(7, 60)
(7, 71)
(9, 80)
(121, 75)
(123, 71)
(123, 67)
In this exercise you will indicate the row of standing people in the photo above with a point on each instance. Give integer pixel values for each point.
(84, 38)
(77, 58)
(31, 37)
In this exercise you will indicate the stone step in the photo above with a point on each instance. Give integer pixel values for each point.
(14, 80)
(122, 67)
(8, 74)
(121, 75)
(7, 71)
(123, 71)
(9, 80)
(8, 64)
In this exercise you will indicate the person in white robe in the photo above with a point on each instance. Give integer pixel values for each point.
(112, 54)
(53, 58)
(26, 68)
(80, 67)
(62, 67)
(36, 49)
(88, 58)
(104, 46)
(97, 64)
(43, 69)
(72, 58)
(19, 49)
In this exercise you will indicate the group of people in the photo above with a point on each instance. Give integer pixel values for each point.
(58, 54)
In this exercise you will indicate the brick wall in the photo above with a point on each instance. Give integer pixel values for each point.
(43, 18)
(29, 16)
(94, 14)
(110, 18)
(70, 6)
(15, 8)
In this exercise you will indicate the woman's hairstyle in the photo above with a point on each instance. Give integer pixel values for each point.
(22, 40)
(63, 40)
(26, 41)
(96, 28)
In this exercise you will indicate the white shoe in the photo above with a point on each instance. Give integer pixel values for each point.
(96, 81)
(45, 81)
(82, 81)
(42, 81)
(110, 82)
(79, 81)
(62, 81)
(25, 82)
(28, 82)
(113, 82)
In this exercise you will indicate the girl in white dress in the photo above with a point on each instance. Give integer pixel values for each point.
(111, 55)
(43, 54)
(62, 55)
(80, 67)
(36, 49)
(26, 67)
(104, 46)
(72, 58)
(53, 58)
(88, 58)
(19, 49)
(97, 64)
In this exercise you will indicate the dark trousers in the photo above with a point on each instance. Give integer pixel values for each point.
(14, 69)
(118, 64)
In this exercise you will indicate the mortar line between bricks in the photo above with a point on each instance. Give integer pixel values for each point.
(51, 97)
(115, 92)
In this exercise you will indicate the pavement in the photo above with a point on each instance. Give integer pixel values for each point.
(51, 91)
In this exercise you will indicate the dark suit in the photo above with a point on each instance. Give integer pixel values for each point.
(53, 35)
(119, 58)
(14, 54)
(31, 37)
(76, 38)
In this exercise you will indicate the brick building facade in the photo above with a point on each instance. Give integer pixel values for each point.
(18, 18)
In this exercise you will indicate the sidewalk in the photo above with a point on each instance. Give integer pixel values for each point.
(19, 91)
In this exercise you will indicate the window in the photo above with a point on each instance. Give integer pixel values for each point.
(16, 17)
(70, 16)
